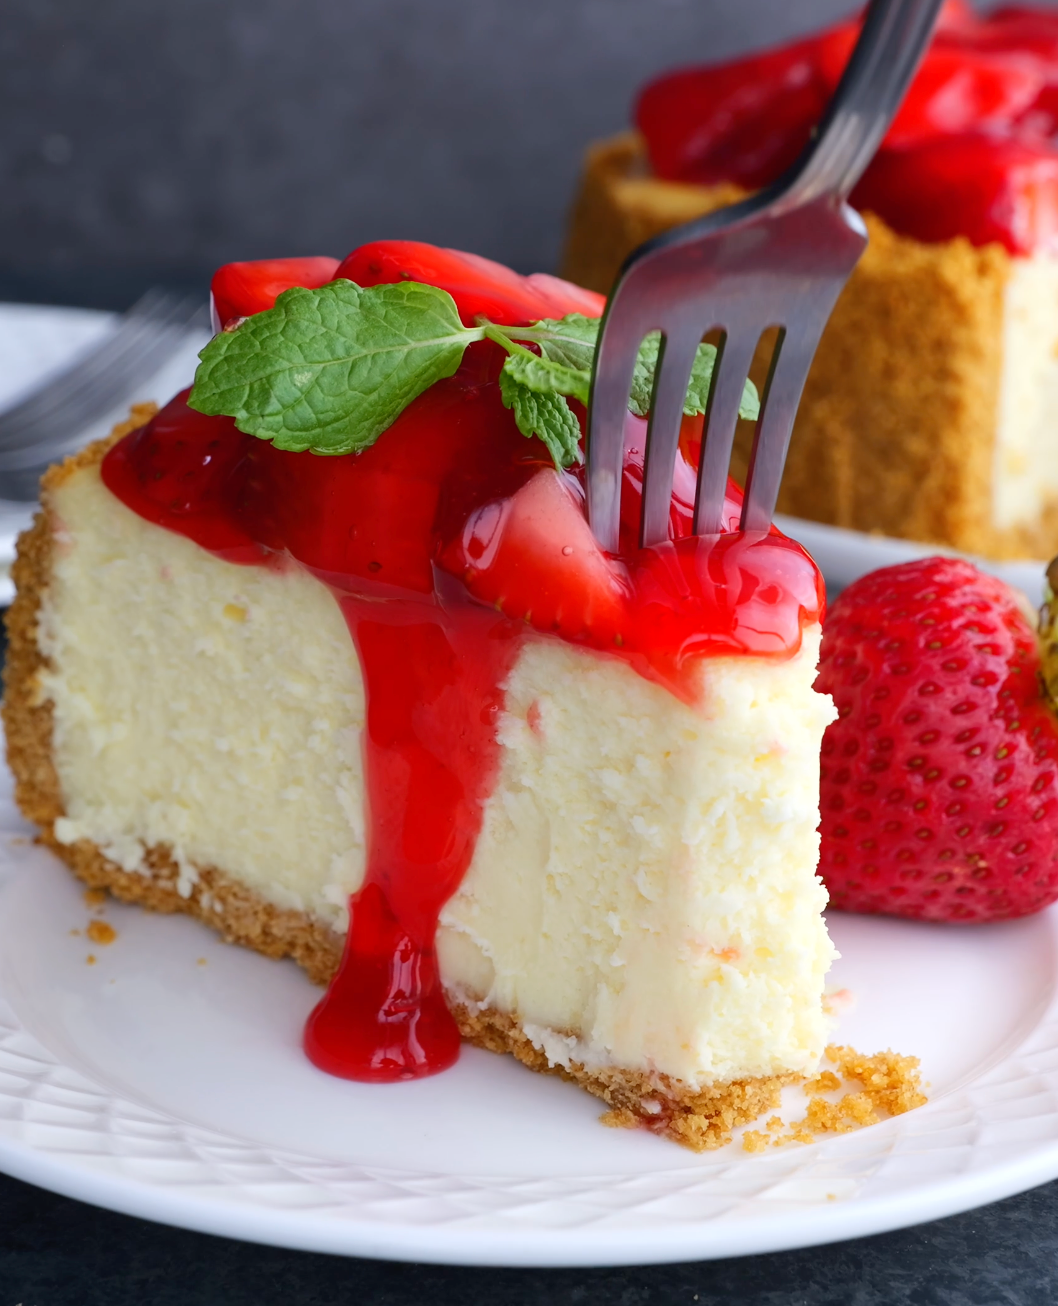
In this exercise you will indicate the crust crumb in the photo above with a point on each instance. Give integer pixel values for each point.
(102, 933)
(90, 960)
(619, 1119)
(95, 897)
(884, 1085)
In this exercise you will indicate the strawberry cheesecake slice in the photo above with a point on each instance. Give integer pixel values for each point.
(325, 654)
(929, 409)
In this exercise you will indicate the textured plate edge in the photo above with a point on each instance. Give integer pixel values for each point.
(444, 1244)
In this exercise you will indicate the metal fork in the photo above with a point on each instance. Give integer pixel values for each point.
(777, 259)
(47, 422)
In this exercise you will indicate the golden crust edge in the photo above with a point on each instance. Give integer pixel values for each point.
(700, 1119)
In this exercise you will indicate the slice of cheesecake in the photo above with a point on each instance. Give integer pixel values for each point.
(929, 408)
(200, 725)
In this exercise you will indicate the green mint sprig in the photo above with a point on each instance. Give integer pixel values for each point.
(328, 370)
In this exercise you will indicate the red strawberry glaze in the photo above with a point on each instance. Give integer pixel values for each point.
(445, 543)
(973, 150)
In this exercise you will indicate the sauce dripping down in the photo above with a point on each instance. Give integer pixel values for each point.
(447, 544)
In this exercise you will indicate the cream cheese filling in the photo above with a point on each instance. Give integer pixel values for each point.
(1025, 459)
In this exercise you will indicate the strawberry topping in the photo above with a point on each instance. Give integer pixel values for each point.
(973, 150)
(479, 286)
(938, 797)
(241, 289)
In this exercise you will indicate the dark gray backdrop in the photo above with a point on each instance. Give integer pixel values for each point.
(146, 139)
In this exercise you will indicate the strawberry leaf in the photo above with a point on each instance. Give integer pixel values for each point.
(330, 369)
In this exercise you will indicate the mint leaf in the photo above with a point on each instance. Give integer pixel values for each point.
(544, 376)
(569, 340)
(330, 369)
(697, 390)
(547, 416)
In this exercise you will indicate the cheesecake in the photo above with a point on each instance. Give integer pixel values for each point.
(378, 703)
(928, 411)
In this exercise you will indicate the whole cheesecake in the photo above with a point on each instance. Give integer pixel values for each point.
(929, 409)
(392, 713)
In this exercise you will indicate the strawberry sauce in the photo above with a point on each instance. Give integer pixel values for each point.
(447, 544)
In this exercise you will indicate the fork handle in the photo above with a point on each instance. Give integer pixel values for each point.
(891, 45)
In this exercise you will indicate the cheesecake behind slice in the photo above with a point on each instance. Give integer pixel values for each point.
(641, 913)
(928, 411)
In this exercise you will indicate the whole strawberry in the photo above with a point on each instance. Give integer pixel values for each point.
(938, 780)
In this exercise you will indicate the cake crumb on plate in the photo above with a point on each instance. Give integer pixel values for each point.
(102, 933)
(885, 1084)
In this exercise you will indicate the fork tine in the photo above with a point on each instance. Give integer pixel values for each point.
(615, 356)
(733, 359)
(671, 377)
(782, 393)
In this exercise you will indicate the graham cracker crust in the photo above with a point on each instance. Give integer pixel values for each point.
(700, 1119)
(896, 429)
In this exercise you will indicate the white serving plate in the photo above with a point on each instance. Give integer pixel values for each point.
(167, 1081)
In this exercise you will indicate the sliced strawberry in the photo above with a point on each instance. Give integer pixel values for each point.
(958, 89)
(743, 121)
(565, 297)
(981, 187)
(533, 557)
(479, 286)
(939, 780)
(955, 14)
(242, 289)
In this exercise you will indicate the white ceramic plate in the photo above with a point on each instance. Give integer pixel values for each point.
(167, 1081)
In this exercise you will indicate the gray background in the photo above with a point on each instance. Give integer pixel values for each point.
(142, 140)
